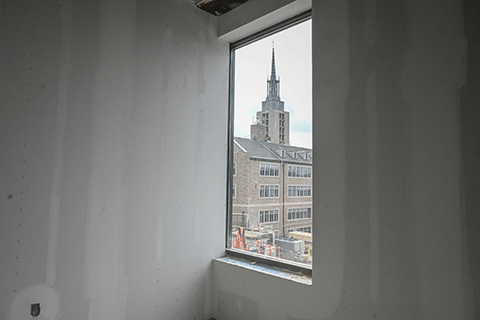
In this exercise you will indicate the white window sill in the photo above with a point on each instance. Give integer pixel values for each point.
(266, 269)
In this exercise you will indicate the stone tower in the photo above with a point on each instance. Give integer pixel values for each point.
(273, 117)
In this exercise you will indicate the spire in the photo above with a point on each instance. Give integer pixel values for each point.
(273, 91)
(273, 74)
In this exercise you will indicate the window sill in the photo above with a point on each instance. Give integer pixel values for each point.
(294, 271)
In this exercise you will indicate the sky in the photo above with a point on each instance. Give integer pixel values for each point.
(293, 61)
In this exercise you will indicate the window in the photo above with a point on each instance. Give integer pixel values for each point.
(269, 169)
(268, 216)
(305, 229)
(299, 213)
(268, 191)
(299, 191)
(299, 172)
(282, 126)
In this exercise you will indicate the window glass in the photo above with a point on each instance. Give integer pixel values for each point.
(272, 124)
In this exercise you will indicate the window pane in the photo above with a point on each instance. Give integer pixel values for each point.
(272, 130)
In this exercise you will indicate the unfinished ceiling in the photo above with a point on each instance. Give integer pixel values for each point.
(218, 7)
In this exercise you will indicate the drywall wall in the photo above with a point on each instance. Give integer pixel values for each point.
(470, 129)
(389, 223)
(113, 187)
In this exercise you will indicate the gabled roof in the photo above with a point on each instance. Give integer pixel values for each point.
(275, 152)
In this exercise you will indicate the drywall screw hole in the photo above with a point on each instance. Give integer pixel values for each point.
(10, 196)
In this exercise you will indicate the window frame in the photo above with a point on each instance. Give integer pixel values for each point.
(276, 190)
(276, 169)
(274, 262)
(296, 211)
(276, 212)
(292, 172)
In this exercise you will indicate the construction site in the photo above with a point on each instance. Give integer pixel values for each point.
(296, 247)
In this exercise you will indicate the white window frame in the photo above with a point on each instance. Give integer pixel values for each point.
(298, 191)
(299, 211)
(269, 211)
(274, 187)
(276, 169)
(294, 168)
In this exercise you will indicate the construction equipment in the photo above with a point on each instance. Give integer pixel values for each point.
(240, 242)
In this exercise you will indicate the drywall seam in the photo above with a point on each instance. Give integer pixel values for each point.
(66, 17)
(372, 185)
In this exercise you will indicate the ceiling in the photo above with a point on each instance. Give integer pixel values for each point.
(218, 7)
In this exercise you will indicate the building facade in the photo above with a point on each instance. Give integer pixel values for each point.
(272, 187)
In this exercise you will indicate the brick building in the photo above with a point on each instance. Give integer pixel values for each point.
(272, 186)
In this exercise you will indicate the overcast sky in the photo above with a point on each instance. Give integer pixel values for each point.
(293, 60)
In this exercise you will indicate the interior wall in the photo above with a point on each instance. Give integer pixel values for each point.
(470, 120)
(389, 220)
(112, 114)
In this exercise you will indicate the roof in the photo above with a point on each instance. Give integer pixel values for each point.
(275, 152)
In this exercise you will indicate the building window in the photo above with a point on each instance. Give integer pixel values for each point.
(234, 192)
(299, 191)
(268, 216)
(299, 213)
(269, 191)
(299, 172)
(234, 169)
(305, 229)
(270, 170)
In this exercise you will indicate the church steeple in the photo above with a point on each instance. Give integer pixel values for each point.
(273, 89)
(273, 84)
(273, 122)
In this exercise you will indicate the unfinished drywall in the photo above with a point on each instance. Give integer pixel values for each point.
(388, 217)
(470, 120)
(113, 186)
